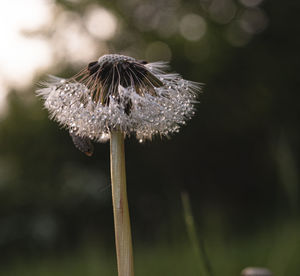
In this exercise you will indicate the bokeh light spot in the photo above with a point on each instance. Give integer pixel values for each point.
(101, 23)
(192, 27)
(71, 42)
(22, 56)
(253, 21)
(222, 11)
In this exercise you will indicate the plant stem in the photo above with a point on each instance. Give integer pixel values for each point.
(198, 246)
(120, 205)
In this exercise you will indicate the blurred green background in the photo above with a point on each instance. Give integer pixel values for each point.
(237, 159)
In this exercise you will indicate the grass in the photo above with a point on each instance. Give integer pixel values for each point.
(279, 250)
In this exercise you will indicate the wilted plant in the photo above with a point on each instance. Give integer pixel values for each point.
(115, 97)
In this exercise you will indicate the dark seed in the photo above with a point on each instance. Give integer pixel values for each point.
(83, 144)
(142, 61)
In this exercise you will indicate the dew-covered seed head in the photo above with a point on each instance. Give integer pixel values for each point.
(120, 92)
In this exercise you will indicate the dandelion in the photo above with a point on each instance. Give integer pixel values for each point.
(120, 92)
(115, 97)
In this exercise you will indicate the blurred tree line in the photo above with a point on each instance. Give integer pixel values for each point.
(238, 158)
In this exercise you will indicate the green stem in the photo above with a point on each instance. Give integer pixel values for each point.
(120, 205)
(198, 246)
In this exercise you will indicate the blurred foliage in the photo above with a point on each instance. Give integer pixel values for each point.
(238, 158)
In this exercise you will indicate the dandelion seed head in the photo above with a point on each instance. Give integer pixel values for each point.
(117, 92)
